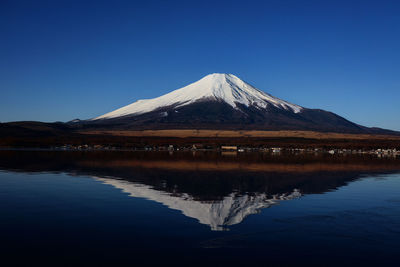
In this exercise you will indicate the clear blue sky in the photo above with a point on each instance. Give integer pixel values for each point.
(61, 60)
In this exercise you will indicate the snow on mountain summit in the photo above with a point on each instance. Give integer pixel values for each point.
(218, 87)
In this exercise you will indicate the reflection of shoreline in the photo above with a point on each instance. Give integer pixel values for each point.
(254, 162)
(229, 153)
(218, 214)
(186, 165)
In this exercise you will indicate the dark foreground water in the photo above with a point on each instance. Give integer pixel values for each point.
(132, 209)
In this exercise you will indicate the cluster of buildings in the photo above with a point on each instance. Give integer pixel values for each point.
(85, 147)
(381, 152)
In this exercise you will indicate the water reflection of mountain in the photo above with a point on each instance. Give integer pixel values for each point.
(213, 189)
(218, 214)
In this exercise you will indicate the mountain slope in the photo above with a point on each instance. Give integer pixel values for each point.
(223, 101)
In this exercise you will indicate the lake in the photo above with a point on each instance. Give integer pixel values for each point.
(198, 208)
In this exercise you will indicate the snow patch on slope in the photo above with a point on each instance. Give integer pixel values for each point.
(217, 86)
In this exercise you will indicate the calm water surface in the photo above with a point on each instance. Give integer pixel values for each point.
(125, 208)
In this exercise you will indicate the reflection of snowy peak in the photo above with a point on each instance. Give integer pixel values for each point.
(230, 210)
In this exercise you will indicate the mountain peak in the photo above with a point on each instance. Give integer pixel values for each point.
(222, 87)
(219, 76)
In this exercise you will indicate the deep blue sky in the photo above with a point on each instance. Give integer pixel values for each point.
(80, 59)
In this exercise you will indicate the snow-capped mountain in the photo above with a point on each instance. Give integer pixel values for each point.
(226, 88)
(223, 101)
